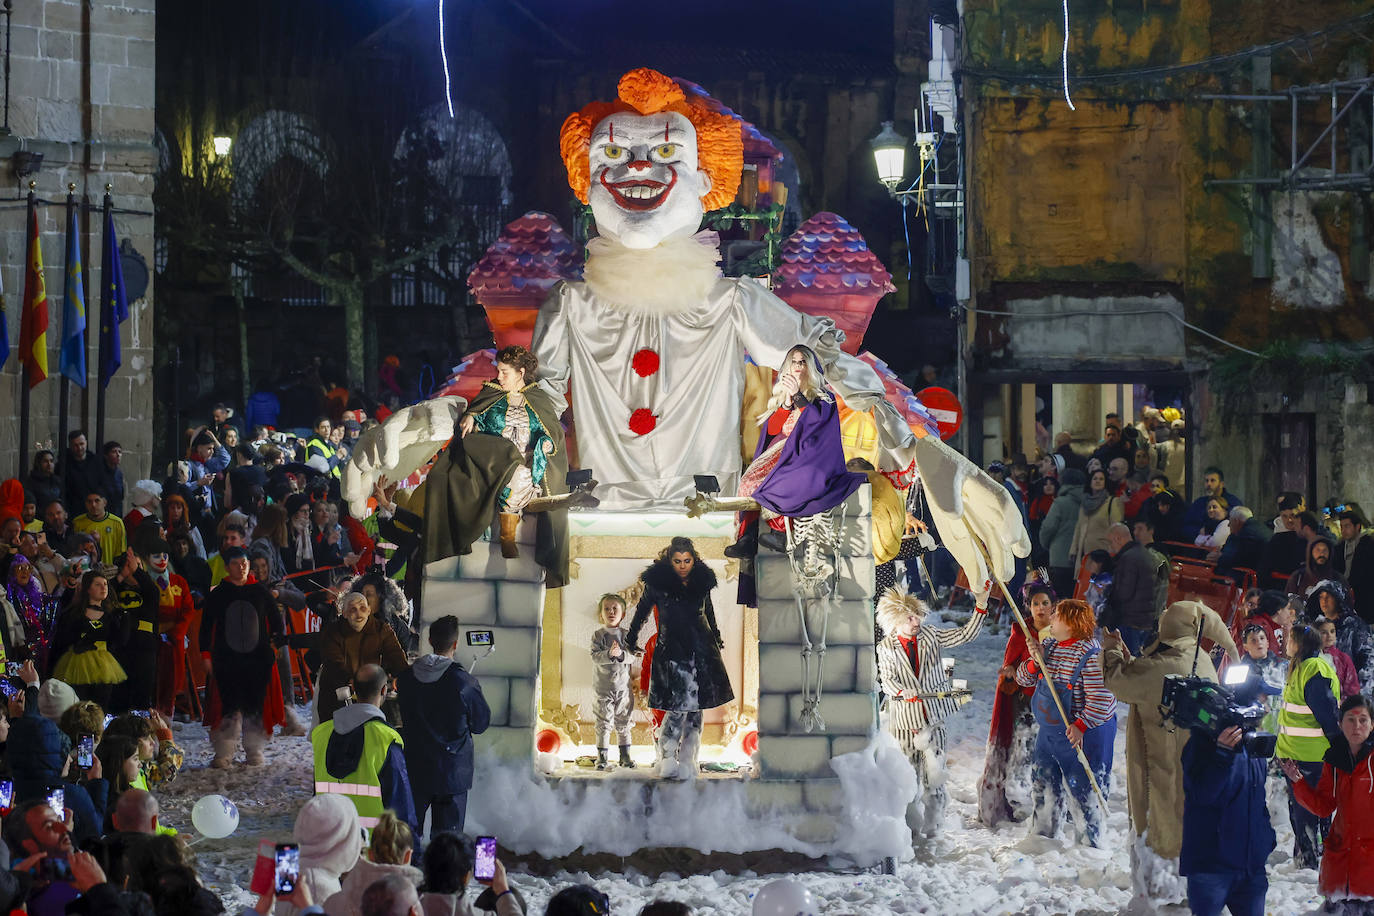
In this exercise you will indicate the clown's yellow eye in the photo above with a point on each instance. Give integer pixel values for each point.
(665, 150)
(612, 151)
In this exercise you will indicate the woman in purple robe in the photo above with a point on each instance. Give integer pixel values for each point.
(798, 467)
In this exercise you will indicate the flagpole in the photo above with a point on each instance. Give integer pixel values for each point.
(24, 363)
(105, 269)
(64, 385)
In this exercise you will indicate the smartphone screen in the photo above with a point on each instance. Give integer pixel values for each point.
(13, 668)
(85, 752)
(143, 713)
(57, 800)
(8, 689)
(484, 862)
(6, 797)
(288, 867)
(109, 717)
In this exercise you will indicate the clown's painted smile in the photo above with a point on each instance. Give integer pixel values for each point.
(639, 193)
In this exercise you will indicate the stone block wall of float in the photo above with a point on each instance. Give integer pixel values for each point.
(794, 765)
(485, 591)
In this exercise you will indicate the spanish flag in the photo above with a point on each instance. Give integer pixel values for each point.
(33, 322)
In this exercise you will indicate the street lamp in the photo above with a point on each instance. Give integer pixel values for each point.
(222, 145)
(889, 155)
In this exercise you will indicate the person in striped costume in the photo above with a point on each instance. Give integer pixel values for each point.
(1070, 658)
(920, 696)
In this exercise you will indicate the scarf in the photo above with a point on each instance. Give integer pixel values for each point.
(305, 550)
(1093, 500)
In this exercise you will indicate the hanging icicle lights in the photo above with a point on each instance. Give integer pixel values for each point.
(448, 86)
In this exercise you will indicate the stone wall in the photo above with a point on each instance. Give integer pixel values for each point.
(81, 94)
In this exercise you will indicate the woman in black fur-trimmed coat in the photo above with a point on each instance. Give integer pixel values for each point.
(687, 673)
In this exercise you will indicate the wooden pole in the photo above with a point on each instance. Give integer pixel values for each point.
(1031, 637)
(23, 359)
(64, 384)
(101, 318)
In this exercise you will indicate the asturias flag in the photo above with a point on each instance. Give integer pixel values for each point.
(72, 361)
(33, 323)
(114, 304)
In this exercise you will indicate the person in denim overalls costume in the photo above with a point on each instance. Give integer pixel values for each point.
(1070, 658)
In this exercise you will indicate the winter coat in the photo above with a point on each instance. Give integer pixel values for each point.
(345, 650)
(1056, 531)
(1352, 634)
(1154, 749)
(1196, 518)
(43, 489)
(1136, 577)
(1345, 671)
(1225, 817)
(687, 672)
(348, 901)
(1346, 789)
(1356, 562)
(442, 707)
(1283, 554)
(1245, 548)
(1090, 529)
(36, 752)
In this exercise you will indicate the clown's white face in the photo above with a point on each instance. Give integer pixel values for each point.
(645, 183)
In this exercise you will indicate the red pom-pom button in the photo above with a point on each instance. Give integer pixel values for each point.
(642, 421)
(644, 363)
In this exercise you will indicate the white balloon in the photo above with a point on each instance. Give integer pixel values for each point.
(215, 817)
(785, 897)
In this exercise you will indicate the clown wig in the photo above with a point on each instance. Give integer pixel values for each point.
(896, 605)
(720, 143)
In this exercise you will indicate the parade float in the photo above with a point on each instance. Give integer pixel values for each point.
(559, 483)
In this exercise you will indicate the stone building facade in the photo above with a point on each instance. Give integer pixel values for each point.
(81, 95)
(1096, 232)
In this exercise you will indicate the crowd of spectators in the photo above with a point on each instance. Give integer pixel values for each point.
(103, 584)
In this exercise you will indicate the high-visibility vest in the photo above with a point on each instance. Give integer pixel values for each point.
(363, 786)
(1300, 734)
(325, 448)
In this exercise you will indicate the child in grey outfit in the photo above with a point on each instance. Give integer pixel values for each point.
(611, 680)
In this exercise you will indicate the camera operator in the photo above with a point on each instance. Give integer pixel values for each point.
(1226, 831)
(1154, 750)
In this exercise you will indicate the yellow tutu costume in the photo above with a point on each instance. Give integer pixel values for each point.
(89, 660)
(94, 666)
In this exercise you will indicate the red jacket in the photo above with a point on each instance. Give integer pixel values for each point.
(1346, 788)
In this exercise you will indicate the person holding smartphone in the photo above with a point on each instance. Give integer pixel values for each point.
(449, 866)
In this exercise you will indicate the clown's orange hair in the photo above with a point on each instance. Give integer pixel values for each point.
(720, 145)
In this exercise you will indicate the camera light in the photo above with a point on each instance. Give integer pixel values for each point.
(1236, 674)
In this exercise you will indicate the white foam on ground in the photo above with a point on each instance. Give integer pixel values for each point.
(966, 869)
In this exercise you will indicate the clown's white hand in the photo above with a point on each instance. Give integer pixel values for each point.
(958, 491)
(406, 442)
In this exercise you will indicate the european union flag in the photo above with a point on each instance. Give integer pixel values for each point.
(114, 304)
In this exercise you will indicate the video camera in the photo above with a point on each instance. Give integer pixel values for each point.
(1197, 703)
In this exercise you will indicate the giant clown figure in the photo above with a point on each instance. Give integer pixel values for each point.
(653, 341)
(651, 344)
